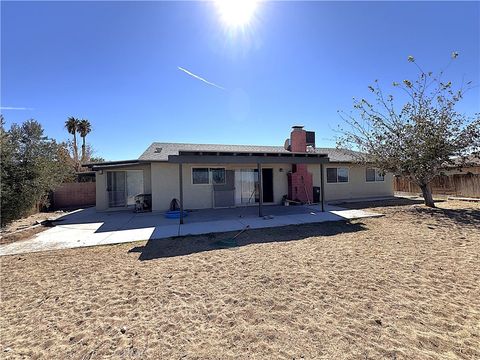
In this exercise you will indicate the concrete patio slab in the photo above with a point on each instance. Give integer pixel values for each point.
(355, 214)
(207, 227)
(90, 228)
(165, 231)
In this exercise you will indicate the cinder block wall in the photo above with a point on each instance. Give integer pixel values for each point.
(70, 195)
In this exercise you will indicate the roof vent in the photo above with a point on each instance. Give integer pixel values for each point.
(158, 150)
(286, 145)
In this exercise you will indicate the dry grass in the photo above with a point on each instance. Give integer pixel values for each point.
(401, 286)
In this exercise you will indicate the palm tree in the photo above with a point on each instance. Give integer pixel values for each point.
(84, 127)
(72, 127)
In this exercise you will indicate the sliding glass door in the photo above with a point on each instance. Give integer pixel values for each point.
(116, 181)
(247, 189)
(134, 185)
(123, 186)
(246, 186)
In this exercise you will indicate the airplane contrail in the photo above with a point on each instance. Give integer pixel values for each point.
(199, 77)
(14, 108)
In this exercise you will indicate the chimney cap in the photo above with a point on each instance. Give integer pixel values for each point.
(297, 127)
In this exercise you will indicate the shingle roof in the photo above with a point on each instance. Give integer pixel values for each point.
(339, 155)
(160, 151)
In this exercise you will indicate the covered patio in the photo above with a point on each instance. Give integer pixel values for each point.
(242, 158)
(88, 227)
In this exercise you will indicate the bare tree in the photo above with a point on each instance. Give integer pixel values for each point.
(419, 139)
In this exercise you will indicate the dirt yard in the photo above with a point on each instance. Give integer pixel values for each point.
(405, 285)
(26, 227)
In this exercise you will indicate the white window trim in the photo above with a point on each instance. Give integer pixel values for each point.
(376, 173)
(200, 167)
(337, 182)
(210, 180)
(210, 175)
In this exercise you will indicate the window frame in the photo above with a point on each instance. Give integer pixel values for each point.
(337, 168)
(210, 175)
(125, 190)
(376, 175)
(224, 175)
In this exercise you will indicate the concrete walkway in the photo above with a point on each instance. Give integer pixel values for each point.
(89, 228)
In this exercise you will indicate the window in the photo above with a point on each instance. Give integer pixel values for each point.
(372, 174)
(200, 176)
(331, 175)
(379, 176)
(337, 175)
(218, 176)
(205, 176)
(342, 174)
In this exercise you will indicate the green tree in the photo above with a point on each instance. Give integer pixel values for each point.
(32, 166)
(84, 128)
(417, 140)
(72, 127)
(97, 159)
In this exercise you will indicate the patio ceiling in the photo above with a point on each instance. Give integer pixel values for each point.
(214, 157)
(259, 158)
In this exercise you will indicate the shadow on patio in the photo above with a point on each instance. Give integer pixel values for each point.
(197, 222)
(179, 246)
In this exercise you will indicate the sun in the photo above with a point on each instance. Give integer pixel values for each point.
(236, 13)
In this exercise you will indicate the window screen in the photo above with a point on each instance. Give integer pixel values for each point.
(379, 176)
(331, 175)
(342, 174)
(370, 174)
(218, 176)
(200, 176)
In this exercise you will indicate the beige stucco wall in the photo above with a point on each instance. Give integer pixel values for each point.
(165, 184)
(161, 180)
(356, 187)
(101, 183)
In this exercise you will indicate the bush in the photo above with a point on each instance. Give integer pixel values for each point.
(32, 166)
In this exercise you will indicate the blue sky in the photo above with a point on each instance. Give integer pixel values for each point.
(116, 64)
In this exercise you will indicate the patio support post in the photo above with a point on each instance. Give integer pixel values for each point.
(260, 190)
(180, 181)
(322, 188)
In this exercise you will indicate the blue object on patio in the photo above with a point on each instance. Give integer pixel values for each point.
(175, 214)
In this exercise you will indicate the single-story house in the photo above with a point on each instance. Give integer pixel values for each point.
(215, 176)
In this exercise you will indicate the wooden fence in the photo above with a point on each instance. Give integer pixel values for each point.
(464, 185)
(72, 195)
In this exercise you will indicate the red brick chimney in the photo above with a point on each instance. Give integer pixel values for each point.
(300, 181)
(298, 139)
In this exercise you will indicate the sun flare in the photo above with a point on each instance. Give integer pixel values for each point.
(236, 13)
